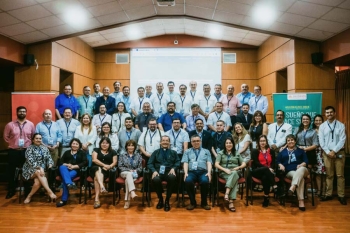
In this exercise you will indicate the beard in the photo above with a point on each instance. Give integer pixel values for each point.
(21, 116)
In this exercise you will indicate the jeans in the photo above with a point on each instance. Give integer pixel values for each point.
(67, 177)
(200, 177)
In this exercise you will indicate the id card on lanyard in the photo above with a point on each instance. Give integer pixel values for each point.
(21, 136)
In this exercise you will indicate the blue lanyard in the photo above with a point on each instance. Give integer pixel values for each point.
(332, 130)
(244, 96)
(99, 116)
(305, 137)
(151, 136)
(176, 136)
(218, 116)
(290, 153)
(128, 134)
(141, 102)
(48, 128)
(86, 101)
(193, 94)
(148, 96)
(182, 101)
(278, 130)
(197, 153)
(217, 96)
(160, 99)
(67, 125)
(207, 99)
(257, 101)
(21, 127)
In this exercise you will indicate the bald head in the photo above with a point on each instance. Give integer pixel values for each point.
(47, 115)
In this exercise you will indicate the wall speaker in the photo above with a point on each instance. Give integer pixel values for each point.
(317, 58)
(28, 59)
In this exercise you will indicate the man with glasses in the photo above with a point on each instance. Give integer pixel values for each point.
(101, 118)
(244, 96)
(190, 120)
(142, 120)
(206, 138)
(66, 100)
(165, 120)
(258, 102)
(149, 140)
(219, 114)
(193, 91)
(183, 102)
(86, 102)
(106, 100)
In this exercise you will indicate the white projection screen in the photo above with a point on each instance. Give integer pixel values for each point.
(180, 65)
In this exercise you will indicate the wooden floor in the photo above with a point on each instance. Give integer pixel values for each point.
(40, 216)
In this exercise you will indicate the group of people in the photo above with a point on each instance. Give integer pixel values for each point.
(170, 131)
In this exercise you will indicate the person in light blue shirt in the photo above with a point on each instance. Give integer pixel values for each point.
(258, 102)
(125, 98)
(51, 134)
(86, 102)
(245, 95)
(217, 92)
(97, 92)
(171, 93)
(191, 119)
(179, 138)
(66, 100)
(68, 127)
(117, 94)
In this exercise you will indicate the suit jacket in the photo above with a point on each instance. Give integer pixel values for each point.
(207, 140)
(245, 123)
(110, 104)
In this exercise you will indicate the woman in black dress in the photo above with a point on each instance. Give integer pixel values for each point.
(257, 128)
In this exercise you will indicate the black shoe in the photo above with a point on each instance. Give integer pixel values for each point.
(166, 206)
(326, 198)
(290, 192)
(206, 207)
(9, 195)
(266, 202)
(302, 208)
(160, 204)
(342, 200)
(61, 203)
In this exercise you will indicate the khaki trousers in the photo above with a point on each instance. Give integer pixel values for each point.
(335, 165)
(297, 178)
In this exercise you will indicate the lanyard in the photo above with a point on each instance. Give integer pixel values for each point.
(257, 101)
(148, 96)
(193, 94)
(228, 101)
(197, 153)
(67, 125)
(290, 153)
(217, 96)
(218, 116)
(332, 130)
(151, 136)
(160, 99)
(199, 134)
(182, 101)
(217, 137)
(21, 127)
(228, 158)
(86, 101)
(99, 116)
(305, 137)
(176, 136)
(278, 130)
(141, 102)
(128, 134)
(207, 99)
(48, 128)
(245, 96)
(75, 156)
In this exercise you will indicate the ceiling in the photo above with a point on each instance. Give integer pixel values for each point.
(114, 21)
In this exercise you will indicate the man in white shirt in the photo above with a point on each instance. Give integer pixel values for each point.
(183, 102)
(101, 117)
(193, 90)
(332, 139)
(97, 92)
(219, 114)
(171, 93)
(244, 96)
(258, 102)
(117, 94)
(159, 101)
(179, 138)
(148, 91)
(278, 132)
(137, 103)
(206, 101)
(217, 92)
(149, 140)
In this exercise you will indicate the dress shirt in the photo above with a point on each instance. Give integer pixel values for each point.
(194, 95)
(280, 136)
(219, 140)
(114, 140)
(49, 130)
(218, 97)
(215, 116)
(67, 129)
(147, 136)
(99, 119)
(206, 103)
(109, 103)
(148, 95)
(12, 133)
(172, 95)
(84, 136)
(230, 104)
(167, 120)
(87, 105)
(190, 156)
(117, 96)
(183, 104)
(258, 103)
(64, 101)
(137, 104)
(190, 122)
(124, 137)
(142, 120)
(177, 139)
(328, 143)
(98, 94)
(127, 101)
(118, 121)
(159, 103)
(306, 138)
(291, 159)
(244, 98)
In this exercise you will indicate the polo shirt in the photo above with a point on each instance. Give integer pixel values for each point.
(190, 156)
(177, 139)
(190, 122)
(215, 116)
(244, 98)
(230, 105)
(167, 120)
(183, 104)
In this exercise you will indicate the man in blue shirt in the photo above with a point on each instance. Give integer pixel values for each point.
(125, 98)
(86, 102)
(106, 100)
(244, 96)
(165, 121)
(117, 94)
(66, 100)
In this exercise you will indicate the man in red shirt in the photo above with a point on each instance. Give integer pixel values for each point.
(18, 134)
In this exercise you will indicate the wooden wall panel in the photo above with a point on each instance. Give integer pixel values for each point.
(291, 77)
(109, 83)
(55, 78)
(78, 46)
(112, 71)
(5, 98)
(239, 71)
(79, 82)
(270, 110)
(281, 83)
(30, 79)
(304, 49)
(42, 53)
(270, 45)
(337, 46)
(11, 50)
(309, 76)
(268, 84)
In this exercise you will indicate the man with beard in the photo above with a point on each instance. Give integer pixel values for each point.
(142, 120)
(231, 104)
(190, 120)
(245, 117)
(163, 164)
(206, 101)
(117, 94)
(97, 92)
(183, 102)
(86, 102)
(206, 138)
(219, 137)
(178, 137)
(126, 99)
(66, 100)
(165, 121)
(106, 100)
(171, 93)
(101, 118)
(159, 100)
(51, 134)
(137, 102)
(218, 115)
(127, 134)
(18, 135)
(244, 96)
(217, 92)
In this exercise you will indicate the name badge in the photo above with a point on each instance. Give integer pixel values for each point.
(21, 142)
(68, 139)
(162, 169)
(228, 110)
(134, 174)
(182, 111)
(194, 165)
(50, 141)
(274, 141)
(217, 150)
(254, 145)
(160, 110)
(207, 109)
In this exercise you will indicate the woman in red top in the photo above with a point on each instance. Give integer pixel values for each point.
(263, 166)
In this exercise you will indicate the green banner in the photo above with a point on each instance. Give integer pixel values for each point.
(296, 104)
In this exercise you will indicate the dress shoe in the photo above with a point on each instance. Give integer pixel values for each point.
(190, 207)
(9, 195)
(61, 203)
(266, 202)
(342, 200)
(127, 205)
(302, 208)
(166, 206)
(160, 204)
(326, 198)
(206, 207)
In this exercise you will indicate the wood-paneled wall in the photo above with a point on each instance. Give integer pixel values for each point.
(11, 50)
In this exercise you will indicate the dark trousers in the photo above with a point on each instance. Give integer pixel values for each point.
(171, 183)
(266, 176)
(16, 158)
(203, 180)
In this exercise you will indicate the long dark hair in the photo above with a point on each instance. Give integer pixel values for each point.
(256, 113)
(301, 126)
(102, 133)
(233, 144)
(108, 141)
(116, 109)
(258, 143)
(313, 123)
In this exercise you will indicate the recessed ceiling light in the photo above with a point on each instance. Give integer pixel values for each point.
(214, 31)
(75, 16)
(133, 32)
(264, 14)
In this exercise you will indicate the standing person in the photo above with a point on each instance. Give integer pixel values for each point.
(129, 133)
(191, 119)
(244, 96)
(142, 120)
(117, 94)
(278, 131)
(67, 126)
(159, 100)
(231, 104)
(319, 168)
(219, 137)
(183, 102)
(217, 92)
(137, 103)
(166, 119)
(258, 102)
(178, 138)
(242, 141)
(219, 114)
(106, 100)
(118, 118)
(193, 91)
(86, 102)
(332, 140)
(257, 128)
(171, 93)
(206, 101)
(51, 135)
(106, 132)
(69, 166)
(87, 134)
(148, 91)
(150, 139)
(197, 166)
(97, 92)
(101, 118)
(163, 164)
(18, 135)
(206, 138)
(66, 100)
(245, 117)
(126, 99)
(38, 159)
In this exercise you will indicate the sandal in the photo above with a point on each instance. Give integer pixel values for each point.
(104, 191)
(226, 197)
(231, 207)
(27, 200)
(97, 204)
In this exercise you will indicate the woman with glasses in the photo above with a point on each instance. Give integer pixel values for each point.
(118, 118)
(257, 128)
(107, 132)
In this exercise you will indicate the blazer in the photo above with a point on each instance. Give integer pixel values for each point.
(245, 123)
(109, 102)
(257, 164)
(156, 160)
(207, 140)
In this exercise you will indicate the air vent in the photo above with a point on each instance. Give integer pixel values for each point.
(166, 2)
(122, 58)
(230, 58)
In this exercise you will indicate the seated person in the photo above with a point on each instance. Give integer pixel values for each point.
(229, 162)
(38, 158)
(69, 165)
